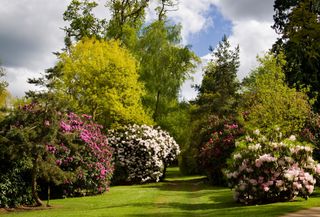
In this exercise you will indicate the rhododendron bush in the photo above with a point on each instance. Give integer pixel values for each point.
(262, 171)
(84, 150)
(141, 153)
(42, 147)
(214, 154)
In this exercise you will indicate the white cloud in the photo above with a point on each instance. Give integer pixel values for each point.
(17, 78)
(251, 30)
(30, 32)
(254, 38)
(193, 16)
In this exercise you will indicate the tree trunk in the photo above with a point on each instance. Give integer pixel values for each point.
(164, 171)
(49, 195)
(34, 183)
(155, 114)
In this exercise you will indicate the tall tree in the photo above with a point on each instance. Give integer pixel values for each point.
(24, 136)
(218, 91)
(3, 83)
(82, 22)
(297, 22)
(166, 65)
(100, 78)
(215, 103)
(127, 17)
(268, 103)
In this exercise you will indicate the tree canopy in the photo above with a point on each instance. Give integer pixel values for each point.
(100, 78)
(268, 103)
(298, 24)
(219, 88)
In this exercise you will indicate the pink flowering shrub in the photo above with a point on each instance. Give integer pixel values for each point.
(83, 150)
(141, 153)
(262, 171)
(214, 154)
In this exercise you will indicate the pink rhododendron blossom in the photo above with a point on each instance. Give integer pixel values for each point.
(282, 170)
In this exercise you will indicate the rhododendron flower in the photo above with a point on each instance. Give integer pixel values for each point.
(266, 188)
(292, 138)
(281, 170)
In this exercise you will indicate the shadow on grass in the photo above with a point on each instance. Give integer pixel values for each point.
(219, 209)
(191, 185)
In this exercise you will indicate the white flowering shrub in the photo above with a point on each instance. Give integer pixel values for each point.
(263, 171)
(141, 153)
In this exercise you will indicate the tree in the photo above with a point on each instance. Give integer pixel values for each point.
(82, 21)
(219, 88)
(126, 21)
(100, 78)
(267, 103)
(298, 24)
(4, 94)
(3, 84)
(216, 100)
(166, 65)
(24, 135)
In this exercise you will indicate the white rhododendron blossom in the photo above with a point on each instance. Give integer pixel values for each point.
(142, 152)
(263, 171)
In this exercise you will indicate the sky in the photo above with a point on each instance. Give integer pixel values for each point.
(30, 31)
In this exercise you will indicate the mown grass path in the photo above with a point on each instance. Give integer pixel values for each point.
(177, 196)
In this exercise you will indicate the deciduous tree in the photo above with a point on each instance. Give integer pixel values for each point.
(100, 78)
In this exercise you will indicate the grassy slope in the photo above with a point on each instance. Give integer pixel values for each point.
(178, 196)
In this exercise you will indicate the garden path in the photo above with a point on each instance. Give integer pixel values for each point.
(312, 212)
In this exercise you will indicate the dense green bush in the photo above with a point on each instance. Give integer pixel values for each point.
(14, 184)
(311, 133)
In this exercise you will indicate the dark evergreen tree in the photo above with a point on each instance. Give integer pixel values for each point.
(218, 91)
(215, 103)
(298, 23)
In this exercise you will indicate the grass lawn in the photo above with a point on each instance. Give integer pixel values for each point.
(177, 196)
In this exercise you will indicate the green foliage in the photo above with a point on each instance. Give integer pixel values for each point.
(3, 84)
(24, 134)
(100, 78)
(177, 121)
(4, 94)
(217, 97)
(219, 88)
(165, 65)
(126, 21)
(14, 182)
(83, 23)
(298, 24)
(268, 103)
(311, 133)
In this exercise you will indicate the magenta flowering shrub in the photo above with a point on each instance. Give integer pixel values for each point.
(214, 154)
(311, 133)
(141, 153)
(263, 171)
(84, 151)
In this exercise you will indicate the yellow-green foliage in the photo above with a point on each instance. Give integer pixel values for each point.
(101, 79)
(268, 103)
